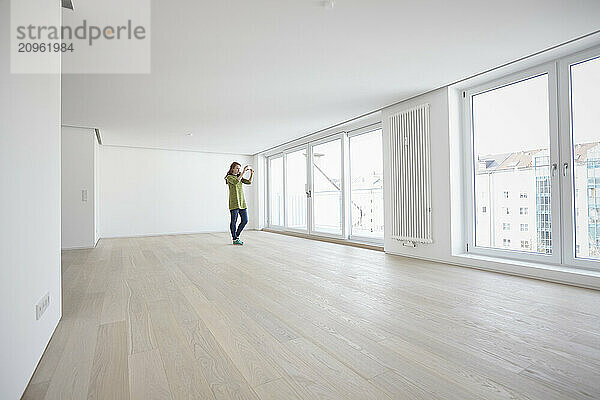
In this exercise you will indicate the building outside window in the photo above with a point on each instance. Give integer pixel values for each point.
(592, 174)
(499, 170)
(542, 204)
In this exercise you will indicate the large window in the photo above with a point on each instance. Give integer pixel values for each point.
(519, 155)
(276, 191)
(327, 184)
(322, 196)
(511, 147)
(295, 180)
(366, 185)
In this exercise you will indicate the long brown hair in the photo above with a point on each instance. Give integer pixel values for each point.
(231, 167)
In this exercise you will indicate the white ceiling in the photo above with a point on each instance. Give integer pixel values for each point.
(243, 76)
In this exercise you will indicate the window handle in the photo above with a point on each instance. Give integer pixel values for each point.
(565, 168)
(553, 169)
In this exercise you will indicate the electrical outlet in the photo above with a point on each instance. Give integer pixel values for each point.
(42, 306)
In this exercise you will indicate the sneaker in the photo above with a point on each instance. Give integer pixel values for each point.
(238, 241)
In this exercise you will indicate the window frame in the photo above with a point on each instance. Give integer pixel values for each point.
(469, 223)
(371, 124)
(285, 189)
(268, 186)
(310, 180)
(358, 238)
(569, 245)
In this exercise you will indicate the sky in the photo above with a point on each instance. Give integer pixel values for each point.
(586, 101)
(512, 118)
(366, 154)
(515, 117)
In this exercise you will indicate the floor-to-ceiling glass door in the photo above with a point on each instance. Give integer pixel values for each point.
(309, 189)
(327, 186)
(296, 179)
(366, 185)
(276, 197)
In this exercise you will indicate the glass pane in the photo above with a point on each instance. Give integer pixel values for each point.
(295, 180)
(327, 196)
(511, 136)
(276, 191)
(585, 97)
(366, 184)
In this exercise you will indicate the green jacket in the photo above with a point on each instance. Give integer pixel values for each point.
(236, 192)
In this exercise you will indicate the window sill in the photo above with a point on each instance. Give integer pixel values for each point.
(554, 273)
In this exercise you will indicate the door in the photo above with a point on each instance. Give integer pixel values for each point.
(326, 194)
(296, 200)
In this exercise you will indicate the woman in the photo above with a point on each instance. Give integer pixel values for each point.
(237, 202)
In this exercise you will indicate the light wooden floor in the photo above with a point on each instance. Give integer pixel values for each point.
(193, 317)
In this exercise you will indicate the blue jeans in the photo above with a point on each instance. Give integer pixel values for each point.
(234, 215)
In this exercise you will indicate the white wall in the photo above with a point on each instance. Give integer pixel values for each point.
(78, 173)
(148, 191)
(29, 210)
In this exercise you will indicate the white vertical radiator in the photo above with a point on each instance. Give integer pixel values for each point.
(410, 184)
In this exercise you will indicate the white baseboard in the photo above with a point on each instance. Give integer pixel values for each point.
(78, 248)
(166, 234)
(345, 242)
